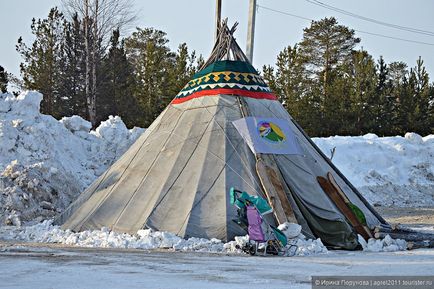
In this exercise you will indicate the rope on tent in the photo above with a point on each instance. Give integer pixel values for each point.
(186, 162)
(209, 190)
(242, 160)
(115, 184)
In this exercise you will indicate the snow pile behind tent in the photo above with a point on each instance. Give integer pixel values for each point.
(45, 232)
(389, 171)
(46, 163)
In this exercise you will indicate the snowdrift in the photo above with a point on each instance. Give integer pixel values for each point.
(46, 163)
(388, 171)
(148, 239)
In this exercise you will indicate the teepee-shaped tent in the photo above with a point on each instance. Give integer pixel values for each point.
(177, 175)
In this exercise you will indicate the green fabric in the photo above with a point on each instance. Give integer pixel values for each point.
(226, 65)
(232, 198)
(240, 201)
(359, 214)
(280, 236)
(225, 74)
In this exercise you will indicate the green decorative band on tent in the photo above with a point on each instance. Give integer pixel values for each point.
(226, 77)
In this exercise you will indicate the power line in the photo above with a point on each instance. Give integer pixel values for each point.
(284, 13)
(395, 38)
(395, 26)
(360, 31)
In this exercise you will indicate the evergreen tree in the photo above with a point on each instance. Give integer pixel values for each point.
(419, 80)
(184, 67)
(269, 76)
(151, 61)
(99, 18)
(115, 95)
(363, 98)
(72, 89)
(3, 80)
(325, 49)
(42, 68)
(402, 95)
(293, 88)
(384, 107)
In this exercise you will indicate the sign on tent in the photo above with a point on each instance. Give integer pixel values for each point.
(268, 135)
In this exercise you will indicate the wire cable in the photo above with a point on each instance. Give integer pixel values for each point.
(395, 26)
(360, 31)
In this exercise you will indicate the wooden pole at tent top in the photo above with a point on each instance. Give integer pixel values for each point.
(251, 30)
(218, 17)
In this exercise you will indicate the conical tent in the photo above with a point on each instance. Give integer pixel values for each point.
(176, 177)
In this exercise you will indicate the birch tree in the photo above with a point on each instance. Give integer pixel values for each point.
(99, 18)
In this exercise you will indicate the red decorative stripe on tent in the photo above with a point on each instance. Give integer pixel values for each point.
(230, 91)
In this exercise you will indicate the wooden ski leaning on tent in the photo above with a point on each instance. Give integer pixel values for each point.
(335, 193)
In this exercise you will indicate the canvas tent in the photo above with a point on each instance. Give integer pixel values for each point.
(176, 177)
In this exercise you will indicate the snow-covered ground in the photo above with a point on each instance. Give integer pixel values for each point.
(28, 267)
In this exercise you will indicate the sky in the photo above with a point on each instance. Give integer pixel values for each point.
(192, 22)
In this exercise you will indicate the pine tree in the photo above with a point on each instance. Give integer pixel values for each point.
(384, 107)
(151, 59)
(42, 68)
(115, 95)
(269, 76)
(3, 80)
(326, 47)
(73, 90)
(294, 89)
(99, 18)
(419, 80)
(184, 67)
(363, 98)
(402, 96)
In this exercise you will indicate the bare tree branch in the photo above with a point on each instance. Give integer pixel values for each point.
(100, 18)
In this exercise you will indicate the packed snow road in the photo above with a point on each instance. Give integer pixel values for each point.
(43, 266)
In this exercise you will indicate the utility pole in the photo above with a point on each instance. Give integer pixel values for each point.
(218, 17)
(251, 30)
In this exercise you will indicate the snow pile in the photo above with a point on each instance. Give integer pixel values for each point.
(148, 239)
(304, 246)
(383, 245)
(389, 171)
(45, 163)
(45, 232)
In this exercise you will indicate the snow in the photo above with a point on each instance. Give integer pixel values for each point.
(147, 239)
(383, 245)
(32, 266)
(45, 163)
(389, 171)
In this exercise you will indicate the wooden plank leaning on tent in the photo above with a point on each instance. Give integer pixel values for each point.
(272, 181)
(342, 203)
(275, 188)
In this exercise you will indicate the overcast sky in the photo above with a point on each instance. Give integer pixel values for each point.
(192, 21)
